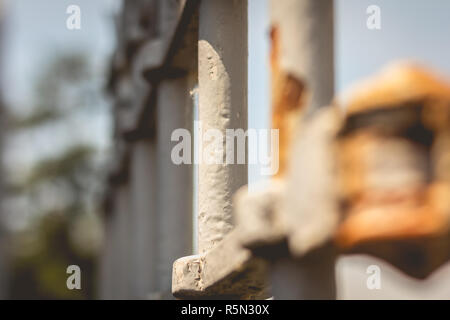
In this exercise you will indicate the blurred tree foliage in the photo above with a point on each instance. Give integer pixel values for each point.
(60, 189)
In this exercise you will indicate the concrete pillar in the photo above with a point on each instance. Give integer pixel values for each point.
(303, 80)
(174, 183)
(222, 74)
(143, 275)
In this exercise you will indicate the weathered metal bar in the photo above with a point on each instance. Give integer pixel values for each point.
(305, 30)
(301, 63)
(222, 72)
(229, 270)
(225, 271)
(223, 268)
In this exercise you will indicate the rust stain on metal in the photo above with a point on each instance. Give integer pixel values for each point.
(287, 101)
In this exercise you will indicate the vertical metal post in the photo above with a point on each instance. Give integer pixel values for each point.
(174, 183)
(222, 73)
(303, 80)
(120, 242)
(143, 219)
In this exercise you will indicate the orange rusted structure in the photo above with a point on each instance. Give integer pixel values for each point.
(393, 156)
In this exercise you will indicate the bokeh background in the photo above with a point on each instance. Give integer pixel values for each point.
(56, 137)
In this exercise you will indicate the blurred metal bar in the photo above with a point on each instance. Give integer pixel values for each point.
(302, 81)
(143, 220)
(174, 190)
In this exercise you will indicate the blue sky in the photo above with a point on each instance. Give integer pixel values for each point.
(410, 29)
(36, 30)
